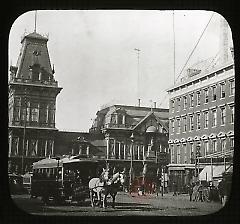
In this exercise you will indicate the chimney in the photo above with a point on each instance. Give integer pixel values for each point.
(139, 102)
(224, 48)
(155, 104)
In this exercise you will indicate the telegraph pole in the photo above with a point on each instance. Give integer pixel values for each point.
(138, 80)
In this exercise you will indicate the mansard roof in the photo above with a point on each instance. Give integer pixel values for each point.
(35, 35)
(34, 51)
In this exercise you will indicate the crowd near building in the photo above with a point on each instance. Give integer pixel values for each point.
(190, 140)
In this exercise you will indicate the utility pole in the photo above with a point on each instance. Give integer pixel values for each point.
(138, 79)
(174, 56)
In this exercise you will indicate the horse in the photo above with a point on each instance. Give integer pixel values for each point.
(106, 186)
(96, 186)
(112, 187)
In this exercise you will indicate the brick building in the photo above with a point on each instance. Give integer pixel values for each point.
(201, 122)
(32, 105)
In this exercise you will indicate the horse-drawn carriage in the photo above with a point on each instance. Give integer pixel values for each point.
(62, 179)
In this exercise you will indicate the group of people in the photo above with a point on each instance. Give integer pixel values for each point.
(199, 192)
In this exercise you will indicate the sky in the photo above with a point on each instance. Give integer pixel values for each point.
(95, 62)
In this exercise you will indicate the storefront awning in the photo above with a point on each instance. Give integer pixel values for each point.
(215, 170)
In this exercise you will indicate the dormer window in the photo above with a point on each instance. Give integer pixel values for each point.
(121, 119)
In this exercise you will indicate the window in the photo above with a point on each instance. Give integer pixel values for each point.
(34, 112)
(16, 113)
(214, 145)
(231, 87)
(178, 154)
(222, 90)
(184, 124)
(121, 119)
(198, 98)
(223, 115)
(172, 124)
(178, 125)
(15, 143)
(223, 145)
(172, 153)
(198, 121)
(191, 99)
(206, 95)
(206, 148)
(232, 114)
(114, 118)
(214, 118)
(214, 93)
(231, 142)
(184, 102)
(191, 126)
(185, 152)
(178, 104)
(172, 103)
(206, 119)
(192, 153)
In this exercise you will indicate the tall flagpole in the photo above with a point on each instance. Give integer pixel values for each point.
(138, 80)
(35, 22)
(174, 72)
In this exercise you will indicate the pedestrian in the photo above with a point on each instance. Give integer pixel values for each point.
(200, 191)
(174, 188)
(190, 191)
(221, 192)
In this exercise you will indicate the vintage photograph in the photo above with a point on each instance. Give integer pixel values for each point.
(120, 112)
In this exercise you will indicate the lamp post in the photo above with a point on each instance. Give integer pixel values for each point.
(24, 129)
(131, 163)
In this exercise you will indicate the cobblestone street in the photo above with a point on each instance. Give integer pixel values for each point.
(126, 205)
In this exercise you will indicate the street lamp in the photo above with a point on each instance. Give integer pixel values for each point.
(131, 163)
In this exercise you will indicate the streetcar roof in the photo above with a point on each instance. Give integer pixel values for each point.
(54, 163)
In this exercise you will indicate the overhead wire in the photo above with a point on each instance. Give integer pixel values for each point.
(189, 55)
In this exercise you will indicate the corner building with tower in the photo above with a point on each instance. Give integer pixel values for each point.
(32, 105)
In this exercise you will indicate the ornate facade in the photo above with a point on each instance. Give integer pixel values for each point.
(136, 136)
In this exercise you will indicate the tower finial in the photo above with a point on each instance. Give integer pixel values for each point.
(35, 22)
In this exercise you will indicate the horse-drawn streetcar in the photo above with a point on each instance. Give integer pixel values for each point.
(62, 179)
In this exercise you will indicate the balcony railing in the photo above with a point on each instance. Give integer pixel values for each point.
(33, 124)
(36, 82)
